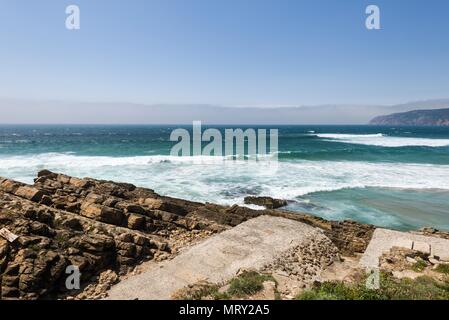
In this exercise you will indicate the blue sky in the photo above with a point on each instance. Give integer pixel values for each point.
(233, 52)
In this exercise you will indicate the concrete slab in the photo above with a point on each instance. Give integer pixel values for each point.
(423, 247)
(383, 240)
(251, 244)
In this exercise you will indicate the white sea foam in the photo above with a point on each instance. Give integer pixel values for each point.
(382, 140)
(217, 180)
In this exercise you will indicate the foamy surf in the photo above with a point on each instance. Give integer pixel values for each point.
(382, 140)
(213, 178)
(319, 171)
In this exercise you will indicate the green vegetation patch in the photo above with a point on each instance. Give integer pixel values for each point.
(201, 291)
(248, 283)
(419, 266)
(442, 268)
(421, 288)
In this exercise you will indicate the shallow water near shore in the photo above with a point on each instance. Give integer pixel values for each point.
(390, 177)
(396, 208)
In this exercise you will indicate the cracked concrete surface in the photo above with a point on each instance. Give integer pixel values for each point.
(251, 244)
(383, 240)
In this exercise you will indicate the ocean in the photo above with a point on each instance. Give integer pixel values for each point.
(395, 177)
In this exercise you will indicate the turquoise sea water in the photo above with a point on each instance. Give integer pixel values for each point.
(396, 177)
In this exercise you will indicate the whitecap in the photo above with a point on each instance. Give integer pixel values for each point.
(206, 177)
(382, 140)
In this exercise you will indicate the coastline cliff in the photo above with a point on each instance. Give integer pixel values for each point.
(435, 117)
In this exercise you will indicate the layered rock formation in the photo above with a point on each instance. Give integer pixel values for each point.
(102, 225)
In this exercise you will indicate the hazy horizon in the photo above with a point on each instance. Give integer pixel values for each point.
(22, 111)
(233, 62)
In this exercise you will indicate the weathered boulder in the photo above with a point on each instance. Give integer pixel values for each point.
(101, 213)
(165, 216)
(165, 205)
(136, 222)
(63, 178)
(132, 208)
(80, 183)
(72, 223)
(46, 173)
(46, 200)
(94, 198)
(95, 243)
(152, 203)
(10, 186)
(110, 202)
(267, 202)
(29, 193)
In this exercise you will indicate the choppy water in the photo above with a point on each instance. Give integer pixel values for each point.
(393, 177)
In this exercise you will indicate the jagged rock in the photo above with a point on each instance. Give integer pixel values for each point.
(73, 207)
(350, 237)
(98, 290)
(46, 200)
(94, 198)
(135, 209)
(80, 183)
(164, 205)
(126, 249)
(29, 193)
(136, 222)
(10, 186)
(63, 178)
(73, 223)
(41, 229)
(267, 202)
(102, 213)
(110, 202)
(95, 243)
(46, 173)
(165, 216)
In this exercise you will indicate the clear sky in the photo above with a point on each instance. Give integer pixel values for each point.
(227, 52)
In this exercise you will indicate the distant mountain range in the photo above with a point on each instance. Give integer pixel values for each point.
(20, 111)
(434, 117)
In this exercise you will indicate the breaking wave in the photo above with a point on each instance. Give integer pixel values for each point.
(382, 140)
(214, 179)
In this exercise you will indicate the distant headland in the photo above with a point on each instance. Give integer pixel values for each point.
(435, 117)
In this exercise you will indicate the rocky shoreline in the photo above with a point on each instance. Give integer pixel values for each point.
(107, 229)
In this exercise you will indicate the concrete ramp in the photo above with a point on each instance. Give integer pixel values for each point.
(383, 240)
(251, 244)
